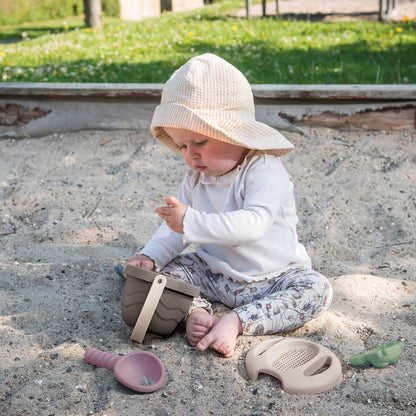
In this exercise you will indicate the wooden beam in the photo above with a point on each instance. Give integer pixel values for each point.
(152, 92)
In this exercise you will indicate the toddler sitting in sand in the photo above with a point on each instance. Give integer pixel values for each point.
(236, 204)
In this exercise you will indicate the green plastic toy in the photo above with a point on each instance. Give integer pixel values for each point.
(381, 356)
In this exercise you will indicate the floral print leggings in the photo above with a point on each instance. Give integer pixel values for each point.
(270, 306)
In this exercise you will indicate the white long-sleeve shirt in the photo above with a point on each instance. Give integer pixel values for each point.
(243, 223)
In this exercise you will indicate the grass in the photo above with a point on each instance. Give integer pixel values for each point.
(265, 50)
(20, 11)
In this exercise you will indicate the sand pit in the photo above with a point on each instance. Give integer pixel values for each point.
(74, 204)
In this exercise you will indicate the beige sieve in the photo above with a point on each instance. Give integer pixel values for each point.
(302, 366)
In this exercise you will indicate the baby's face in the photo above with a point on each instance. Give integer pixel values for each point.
(204, 154)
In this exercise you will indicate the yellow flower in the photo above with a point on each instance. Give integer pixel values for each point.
(66, 27)
(83, 68)
(180, 26)
(264, 37)
(405, 18)
(190, 33)
(87, 30)
(1, 53)
(399, 30)
(143, 28)
(285, 23)
(234, 28)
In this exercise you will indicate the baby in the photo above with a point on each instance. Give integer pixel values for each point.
(236, 204)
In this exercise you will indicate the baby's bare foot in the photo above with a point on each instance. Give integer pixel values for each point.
(223, 335)
(199, 322)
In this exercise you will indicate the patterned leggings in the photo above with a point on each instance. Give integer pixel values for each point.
(280, 304)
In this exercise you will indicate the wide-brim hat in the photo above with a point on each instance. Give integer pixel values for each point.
(210, 96)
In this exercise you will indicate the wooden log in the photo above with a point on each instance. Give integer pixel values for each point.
(153, 92)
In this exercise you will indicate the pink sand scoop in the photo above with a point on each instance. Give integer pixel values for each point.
(140, 370)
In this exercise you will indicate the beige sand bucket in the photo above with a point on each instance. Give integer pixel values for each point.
(302, 366)
(154, 302)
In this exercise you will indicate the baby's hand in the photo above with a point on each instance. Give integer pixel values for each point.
(173, 213)
(142, 261)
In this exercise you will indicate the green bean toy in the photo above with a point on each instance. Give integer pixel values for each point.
(380, 357)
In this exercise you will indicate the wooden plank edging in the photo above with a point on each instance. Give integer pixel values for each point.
(260, 91)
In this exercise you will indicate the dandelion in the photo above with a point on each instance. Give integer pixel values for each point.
(405, 18)
(399, 30)
(180, 26)
(234, 28)
(83, 68)
(264, 37)
(190, 34)
(87, 30)
(285, 23)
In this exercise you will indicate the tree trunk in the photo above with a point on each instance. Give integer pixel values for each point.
(92, 10)
(248, 8)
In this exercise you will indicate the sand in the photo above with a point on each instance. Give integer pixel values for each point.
(75, 204)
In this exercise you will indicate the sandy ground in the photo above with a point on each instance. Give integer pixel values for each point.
(81, 202)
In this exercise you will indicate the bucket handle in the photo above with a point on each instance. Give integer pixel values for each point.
(148, 309)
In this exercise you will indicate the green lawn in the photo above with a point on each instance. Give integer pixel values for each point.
(266, 50)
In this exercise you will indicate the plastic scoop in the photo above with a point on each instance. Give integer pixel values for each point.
(379, 357)
(302, 366)
(140, 370)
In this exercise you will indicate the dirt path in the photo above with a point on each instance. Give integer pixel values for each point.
(330, 10)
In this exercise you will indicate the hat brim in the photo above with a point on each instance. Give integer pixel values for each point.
(230, 127)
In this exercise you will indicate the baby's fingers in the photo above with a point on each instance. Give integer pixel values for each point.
(172, 201)
(163, 211)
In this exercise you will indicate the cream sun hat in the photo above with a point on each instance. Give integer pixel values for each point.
(210, 96)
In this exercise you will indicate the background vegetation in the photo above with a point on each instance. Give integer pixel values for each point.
(266, 50)
(22, 11)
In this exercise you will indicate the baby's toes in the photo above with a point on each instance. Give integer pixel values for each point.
(193, 340)
(223, 347)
